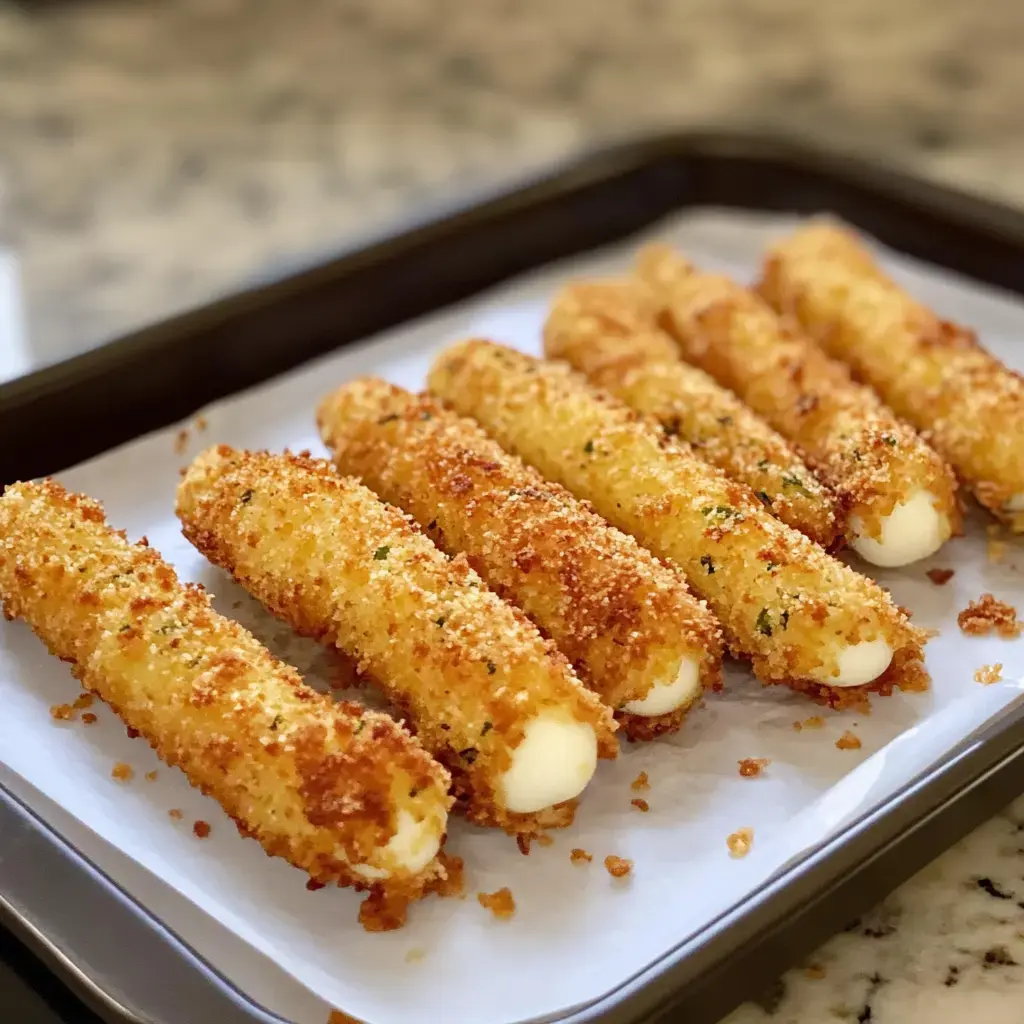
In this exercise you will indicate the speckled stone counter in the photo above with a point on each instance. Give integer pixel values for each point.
(153, 156)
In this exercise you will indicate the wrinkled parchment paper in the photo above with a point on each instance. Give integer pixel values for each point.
(577, 933)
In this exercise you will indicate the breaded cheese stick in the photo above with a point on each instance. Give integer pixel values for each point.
(898, 494)
(626, 622)
(594, 327)
(343, 793)
(492, 700)
(931, 372)
(801, 616)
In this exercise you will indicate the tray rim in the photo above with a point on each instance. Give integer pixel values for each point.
(984, 766)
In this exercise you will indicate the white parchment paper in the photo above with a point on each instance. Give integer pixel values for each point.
(577, 933)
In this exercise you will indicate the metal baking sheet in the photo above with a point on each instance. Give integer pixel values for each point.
(577, 939)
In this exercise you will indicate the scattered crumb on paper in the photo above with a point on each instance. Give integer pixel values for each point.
(988, 674)
(181, 442)
(62, 712)
(739, 842)
(617, 867)
(814, 722)
(640, 804)
(200, 829)
(849, 741)
(122, 772)
(580, 856)
(150, 776)
(640, 783)
(175, 813)
(982, 617)
(89, 718)
(940, 577)
(500, 903)
(337, 1017)
(751, 767)
(201, 423)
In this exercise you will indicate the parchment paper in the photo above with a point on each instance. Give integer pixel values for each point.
(577, 933)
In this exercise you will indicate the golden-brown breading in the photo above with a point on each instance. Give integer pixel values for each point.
(870, 458)
(624, 620)
(801, 616)
(932, 372)
(472, 674)
(326, 786)
(599, 328)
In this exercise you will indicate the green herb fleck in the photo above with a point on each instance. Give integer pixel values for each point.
(414, 792)
(360, 727)
(125, 628)
(725, 421)
(388, 419)
(440, 620)
(491, 668)
(890, 440)
(784, 619)
(791, 480)
(278, 719)
(771, 565)
(381, 553)
(432, 525)
(245, 498)
(725, 511)
(765, 497)
(764, 622)
(708, 562)
(469, 754)
(589, 447)
(763, 464)
(488, 726)
(426, 415)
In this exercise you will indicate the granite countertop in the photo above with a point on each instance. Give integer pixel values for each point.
(154, 156)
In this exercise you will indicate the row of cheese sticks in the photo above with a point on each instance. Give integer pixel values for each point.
(346, 794)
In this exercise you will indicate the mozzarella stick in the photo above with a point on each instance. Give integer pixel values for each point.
(626, 622)
(931, 372)
(485, 693)
(598, 328)
(802, 617)
(899, 496)
(340, 792)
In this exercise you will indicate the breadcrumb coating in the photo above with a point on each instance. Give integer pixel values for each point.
(933, 373)
(325, 555)
(987, 615)
(782, 601)
(621, 617)
(317, 783)
(593, 327)
(870, 458)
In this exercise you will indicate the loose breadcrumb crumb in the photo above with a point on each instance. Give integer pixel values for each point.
(181, 442)
(989, 674)
(739, 842)
(640, 783)
(176, 814)
(524, 842)
(150, 776)
(982, 617)
(201, 423)
(83, 700)
(314, 885)
(617, 867)
(814, 722)
(123, 772)
(640, 805)
(751, 767)
(337, 1017)
(849, 741)
(815, 971)
(500, 903)
(88, 718)
(62, 712)
(200, 829)
(543, 839)
(940, 577)
(580, 856)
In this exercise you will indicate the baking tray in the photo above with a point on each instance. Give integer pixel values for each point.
(132, 968)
